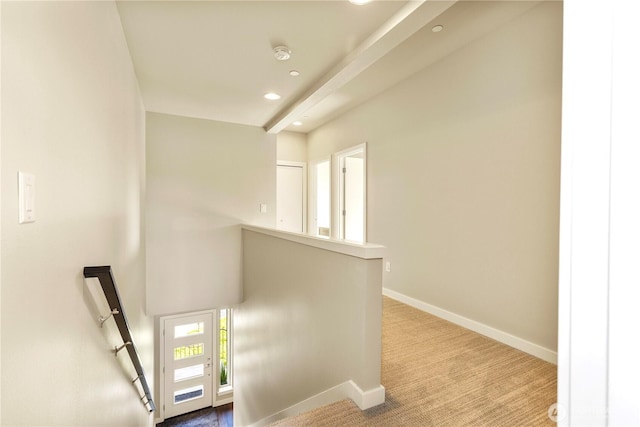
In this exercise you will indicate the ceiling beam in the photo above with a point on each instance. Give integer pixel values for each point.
(411, 18)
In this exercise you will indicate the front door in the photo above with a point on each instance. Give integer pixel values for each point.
(188, 363)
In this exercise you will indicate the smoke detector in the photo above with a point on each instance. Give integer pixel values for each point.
(282, 53)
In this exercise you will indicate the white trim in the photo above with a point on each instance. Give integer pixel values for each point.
(366, 251)
(302, 165)
(585, 203)
(186, 313)
(496, 334)
(346, 390)
(337, 163)
(224, 401)
(623, 369)
(366, 399)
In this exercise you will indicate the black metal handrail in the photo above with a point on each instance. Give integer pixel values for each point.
(108, 283)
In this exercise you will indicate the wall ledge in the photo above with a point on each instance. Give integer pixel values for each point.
(365, 251)
(346, 390)
(486, 330)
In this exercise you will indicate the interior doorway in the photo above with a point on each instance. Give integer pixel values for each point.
(352, 194)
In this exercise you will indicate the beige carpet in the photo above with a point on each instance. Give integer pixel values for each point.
(440, 374)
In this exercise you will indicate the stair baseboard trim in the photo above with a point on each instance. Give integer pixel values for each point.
(347, 390)
(496, 334)
(366, 399)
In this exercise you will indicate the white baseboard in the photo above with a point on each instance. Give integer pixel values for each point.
(498, 335)
(366, 399)
(346, 390)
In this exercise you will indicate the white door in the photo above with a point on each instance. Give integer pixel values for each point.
(290, 198)
(354, 199)
(188, 366)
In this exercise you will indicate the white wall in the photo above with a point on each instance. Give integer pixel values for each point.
(598, 372)
(71, 115)
(311, 321)
(463, 177)
(292, 146)
(0, 210)
(204, 178)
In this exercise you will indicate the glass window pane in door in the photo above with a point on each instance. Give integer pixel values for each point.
(188, 372)
(188, 394)
(186, 351)
(188, 329)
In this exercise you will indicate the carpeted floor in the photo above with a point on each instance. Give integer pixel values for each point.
(440, 374)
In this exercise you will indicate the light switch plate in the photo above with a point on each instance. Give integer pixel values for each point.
(263, 208)
(26, 197)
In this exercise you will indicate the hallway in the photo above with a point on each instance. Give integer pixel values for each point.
(439, 374)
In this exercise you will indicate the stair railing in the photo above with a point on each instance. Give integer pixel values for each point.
(108, 284)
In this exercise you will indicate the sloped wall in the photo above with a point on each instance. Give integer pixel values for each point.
(72, 116)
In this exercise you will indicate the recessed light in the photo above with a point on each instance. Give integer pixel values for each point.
(359, 2)
(272, 96)
(294, 73)
(437, 28)
(297, 123)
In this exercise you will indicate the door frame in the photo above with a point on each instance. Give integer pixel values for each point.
(303, 165)
(337, 202)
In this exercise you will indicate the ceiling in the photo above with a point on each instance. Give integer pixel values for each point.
(215, 59)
